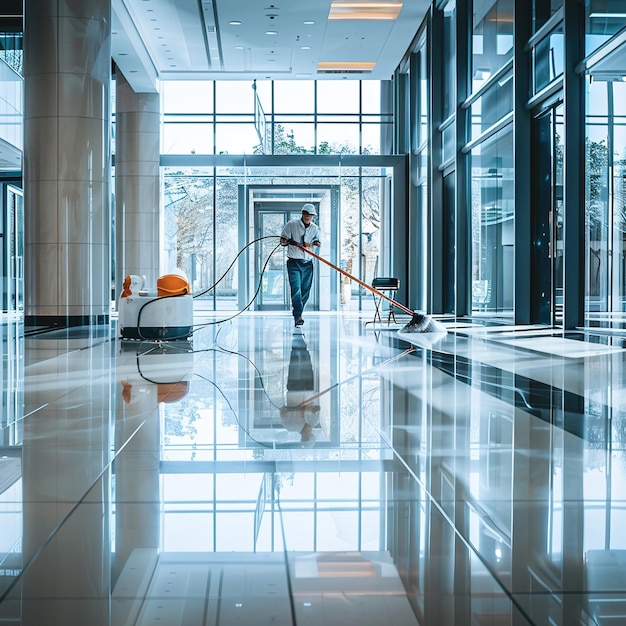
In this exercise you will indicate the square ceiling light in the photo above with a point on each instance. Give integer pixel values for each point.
(364, 10)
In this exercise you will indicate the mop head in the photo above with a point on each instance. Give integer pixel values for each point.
(422, 323)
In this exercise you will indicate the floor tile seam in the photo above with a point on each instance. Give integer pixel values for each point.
(456, 531)
(285, 551)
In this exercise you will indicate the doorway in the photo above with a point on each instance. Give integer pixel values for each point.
(268, 210)
(274, 286)
(547, 216)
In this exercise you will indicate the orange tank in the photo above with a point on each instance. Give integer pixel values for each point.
(172, 285)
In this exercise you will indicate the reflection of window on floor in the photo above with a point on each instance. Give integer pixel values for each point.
(318, 511)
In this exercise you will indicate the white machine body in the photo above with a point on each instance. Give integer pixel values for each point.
(147, 315)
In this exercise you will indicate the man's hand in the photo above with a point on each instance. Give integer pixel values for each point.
(317, 243)
(288, 242)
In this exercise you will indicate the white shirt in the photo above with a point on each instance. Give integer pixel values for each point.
(295, 229)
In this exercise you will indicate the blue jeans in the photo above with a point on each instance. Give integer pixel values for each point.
(300, 275)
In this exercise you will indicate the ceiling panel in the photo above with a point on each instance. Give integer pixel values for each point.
(246, 39)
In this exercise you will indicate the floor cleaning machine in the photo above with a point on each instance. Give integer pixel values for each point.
(163, 314)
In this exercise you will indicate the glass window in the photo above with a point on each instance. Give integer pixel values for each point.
(493, 214)
(338, 138)
(370, 96)
(605, 201)
(547, 59)
(294, 138)
(492, 38)
(604, 19)
(543, 10)
(338, 96)
(370, 138)
(423, 96)
(294, 96)
(234, 96)
(187, 96)
(236, 138)
(188, 223)
(187, 137)
(492, 106)
(449, 143)
(449, 56)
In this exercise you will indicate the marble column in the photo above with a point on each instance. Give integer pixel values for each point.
(137, 184)
(67, 162)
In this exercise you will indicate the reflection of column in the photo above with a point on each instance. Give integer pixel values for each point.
(137, 186)
(65, 449)
(573, 508)
(137, 465)
(67, 163)
(447, 406)
(531, 500)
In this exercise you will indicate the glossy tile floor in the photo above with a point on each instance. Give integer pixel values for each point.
(349, 475)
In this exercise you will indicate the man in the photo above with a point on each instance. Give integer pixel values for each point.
(304, 232)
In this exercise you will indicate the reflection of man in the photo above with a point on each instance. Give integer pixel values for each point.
(298, 415)
(304, 232)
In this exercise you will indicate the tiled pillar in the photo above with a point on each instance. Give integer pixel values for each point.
(67, 162)
(137, 184)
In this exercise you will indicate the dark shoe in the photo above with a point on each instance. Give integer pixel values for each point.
(300, 322)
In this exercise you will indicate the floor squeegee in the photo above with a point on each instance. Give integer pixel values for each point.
(419, 322)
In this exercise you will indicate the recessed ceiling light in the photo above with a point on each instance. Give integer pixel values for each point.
(364, 10)
(607, 15)
(239, 48)
(308, 22)
(305, 47)
(271, 32)
(346, 66)
(235, 23)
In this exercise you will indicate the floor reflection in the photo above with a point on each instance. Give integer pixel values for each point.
(342, 475)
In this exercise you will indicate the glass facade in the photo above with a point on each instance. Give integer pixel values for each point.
(211, 213)
(493, 215)
(605, 200)
(273, 117)
(516, 135)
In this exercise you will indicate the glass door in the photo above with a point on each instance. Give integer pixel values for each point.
(274, 291)
(547, 217)
(12, 249)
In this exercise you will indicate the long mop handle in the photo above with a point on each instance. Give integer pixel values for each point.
(356, 280)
